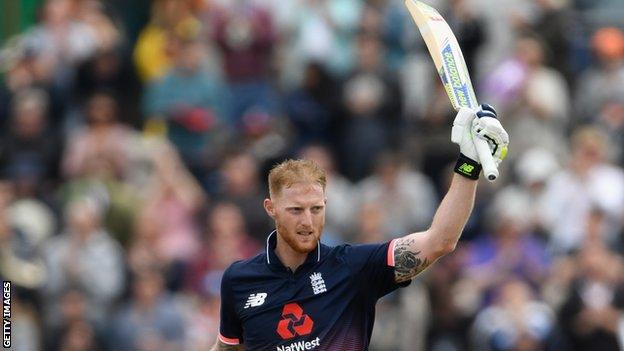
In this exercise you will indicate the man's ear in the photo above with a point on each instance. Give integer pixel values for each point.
(269, 207)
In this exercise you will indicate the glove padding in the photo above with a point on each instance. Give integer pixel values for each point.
(488, 127)
(484, 124)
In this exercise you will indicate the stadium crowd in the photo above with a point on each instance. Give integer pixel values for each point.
(137, 135)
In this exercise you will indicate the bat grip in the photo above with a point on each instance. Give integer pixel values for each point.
(487, 162)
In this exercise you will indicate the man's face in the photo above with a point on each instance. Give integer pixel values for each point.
(299, 214)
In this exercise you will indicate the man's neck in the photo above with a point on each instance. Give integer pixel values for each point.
(289, 257)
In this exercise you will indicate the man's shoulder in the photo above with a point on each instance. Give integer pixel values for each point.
(334, 251)
(246, 267)
(347, 251)
(350, 246)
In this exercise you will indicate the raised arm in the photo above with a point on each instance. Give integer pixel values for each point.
(415, 252)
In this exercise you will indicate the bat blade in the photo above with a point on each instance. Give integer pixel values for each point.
(446, 54)
(451, 66)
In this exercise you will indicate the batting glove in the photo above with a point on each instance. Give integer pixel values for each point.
(469, 125)
(488, 127)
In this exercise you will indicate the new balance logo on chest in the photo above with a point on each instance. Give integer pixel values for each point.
(318, 284)
(255, 300)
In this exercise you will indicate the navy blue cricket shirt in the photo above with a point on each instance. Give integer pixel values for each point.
(328, 303)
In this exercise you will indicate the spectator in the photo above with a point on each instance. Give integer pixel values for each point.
(143, 249)
(110, 71)
(390, 19)
(596, 184)
(370, 223)
(428, 133)
(555, 24)
(25, 331)
(203, 316)
(241, 186)
(172, 200)
(33, 219)
(516, 321)
(469, 28)
(29, 152)
(151, 52)
(396, 187)
(594, 306)
(79, 336)
(92, 14)
(243, 33)
(372, 102)
(603, 82)
(77, 328)
(312, 107)
(327, 32)
(151, 320)
(104, 137)
(98, 162)
(119, 199)
(20, 256)
(188, 100)
(59, 43)
(510, 250)
(534, 169)
(533, 96)
(225, 241)
(452, 306)
(84, 256)
(611, 121)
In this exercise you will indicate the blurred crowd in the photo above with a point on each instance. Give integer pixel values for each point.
(137, 135)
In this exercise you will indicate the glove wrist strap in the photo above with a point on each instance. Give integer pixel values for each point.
(467, 167)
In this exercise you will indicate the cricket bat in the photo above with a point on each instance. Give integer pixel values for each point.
(450, 64)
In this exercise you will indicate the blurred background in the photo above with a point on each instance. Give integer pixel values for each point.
(137, 135)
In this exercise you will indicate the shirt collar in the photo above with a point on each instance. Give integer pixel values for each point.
(273, 260)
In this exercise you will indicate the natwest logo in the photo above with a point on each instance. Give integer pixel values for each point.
(295, 323)
(301, 345)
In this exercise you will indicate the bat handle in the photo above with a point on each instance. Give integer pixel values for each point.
(487, 162)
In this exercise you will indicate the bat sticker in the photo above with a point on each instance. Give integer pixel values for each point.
(460, 89)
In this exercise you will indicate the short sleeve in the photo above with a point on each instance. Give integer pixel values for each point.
(373, 266)
(230, 328)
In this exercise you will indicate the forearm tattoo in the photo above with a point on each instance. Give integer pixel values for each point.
(407, 262)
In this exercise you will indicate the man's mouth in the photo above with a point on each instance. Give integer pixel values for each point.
(305, 232)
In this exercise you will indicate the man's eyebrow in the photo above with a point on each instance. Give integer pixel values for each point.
(303, 206)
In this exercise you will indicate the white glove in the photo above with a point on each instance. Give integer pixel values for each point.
(461, 134)
(467, 126)
(488, 127)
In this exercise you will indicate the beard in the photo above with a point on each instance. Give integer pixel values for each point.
(296, 243)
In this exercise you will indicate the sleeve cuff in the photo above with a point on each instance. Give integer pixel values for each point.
(390, 255)
(228, 341)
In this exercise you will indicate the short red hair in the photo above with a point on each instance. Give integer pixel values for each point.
(289, 172)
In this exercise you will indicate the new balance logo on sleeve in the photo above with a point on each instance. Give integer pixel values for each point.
(255, 300)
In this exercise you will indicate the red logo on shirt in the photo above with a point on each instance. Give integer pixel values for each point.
(295, 323)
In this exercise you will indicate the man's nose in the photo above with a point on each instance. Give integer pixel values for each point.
(306, 218)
